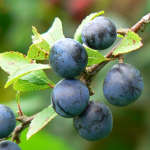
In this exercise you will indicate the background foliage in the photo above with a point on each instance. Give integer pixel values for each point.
(131, 124)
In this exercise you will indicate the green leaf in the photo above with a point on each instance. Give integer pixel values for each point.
(25, 70)
(54, 33)
(39, 50)
(36, 80)
(129, 43)
(18, 66)
(77, 35)
(94, 56)
(10, 62)
(41, 120)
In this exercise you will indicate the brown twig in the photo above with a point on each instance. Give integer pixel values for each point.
(91, 71)
(20, 113)
(144, 20)
(25, 121)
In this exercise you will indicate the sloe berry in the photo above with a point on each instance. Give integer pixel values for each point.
(70, 97)
(68, 58)
(100, 33)
(123, 84)
(8, 145)
(7, 121)
(95, 122)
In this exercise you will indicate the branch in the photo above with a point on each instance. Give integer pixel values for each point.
(25, 121)
(144, 20)
(91, 71)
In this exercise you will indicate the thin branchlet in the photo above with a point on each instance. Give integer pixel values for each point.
(25, 121)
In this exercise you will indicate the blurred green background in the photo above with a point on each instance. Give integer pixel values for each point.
(131, 124)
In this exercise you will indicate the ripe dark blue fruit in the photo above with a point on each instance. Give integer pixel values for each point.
(8, 145)
(95, 122)
(68, 58)
(7, 121)
(70, 98)
(100, 33)
(123, 84)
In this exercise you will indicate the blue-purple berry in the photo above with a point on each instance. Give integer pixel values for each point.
(68, 58)
(70, 97)
(95, 122)
(7, 121)
(100, 33)
(123, 84)
(8, 145)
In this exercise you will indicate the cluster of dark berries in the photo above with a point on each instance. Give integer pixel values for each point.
(70, 97)
(7, 125)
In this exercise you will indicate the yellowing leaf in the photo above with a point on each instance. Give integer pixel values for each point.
(129, 43)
